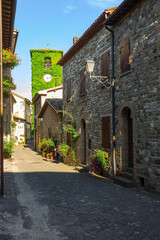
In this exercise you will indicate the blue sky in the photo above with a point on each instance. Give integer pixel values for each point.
(52, 21)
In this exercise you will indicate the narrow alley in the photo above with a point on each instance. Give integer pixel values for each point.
(49, 200)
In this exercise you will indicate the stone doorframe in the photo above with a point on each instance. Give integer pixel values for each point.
(83, 142)
(123, 137)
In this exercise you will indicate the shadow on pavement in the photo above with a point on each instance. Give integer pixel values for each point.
(30, 145)
(79, 205)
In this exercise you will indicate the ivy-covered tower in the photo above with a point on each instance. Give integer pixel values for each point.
(45, 72)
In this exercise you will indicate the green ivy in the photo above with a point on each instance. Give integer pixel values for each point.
(71, 128)
(63, 149)
(7, 85)
(38, 69)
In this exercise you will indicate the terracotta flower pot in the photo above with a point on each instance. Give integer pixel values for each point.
(7, 159)
(44, 154)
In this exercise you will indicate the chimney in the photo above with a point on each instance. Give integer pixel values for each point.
(75, 39)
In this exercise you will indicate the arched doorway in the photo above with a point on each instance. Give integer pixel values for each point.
(127, 138)
(83, 141)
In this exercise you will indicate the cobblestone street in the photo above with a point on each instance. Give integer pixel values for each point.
(49, 200)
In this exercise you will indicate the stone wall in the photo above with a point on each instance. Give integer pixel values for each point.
(38, 131)
(52, 124)
(137, 90)
(38, 126)
(7, 118)
(7, 110)
(96, 102)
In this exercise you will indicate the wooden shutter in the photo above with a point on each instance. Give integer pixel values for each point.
(105, 64)
(82, 80)
(106, 132)
(69, 89)
(125, 53)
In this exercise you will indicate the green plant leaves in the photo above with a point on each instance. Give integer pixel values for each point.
(8, 147)
(100, 161)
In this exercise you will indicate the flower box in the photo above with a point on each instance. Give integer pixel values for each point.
(10, 59)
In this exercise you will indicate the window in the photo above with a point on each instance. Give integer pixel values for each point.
(82, 81)
(68, 89)
(21, 104)
(105, 64)
(106, 132)
(47, 63)
(124, 55)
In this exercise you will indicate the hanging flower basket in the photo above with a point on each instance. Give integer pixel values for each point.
(10, 59)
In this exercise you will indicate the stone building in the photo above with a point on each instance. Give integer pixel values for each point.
(46, 73)
(131, 57)
(8, 100)
(51, 119)
(7, 17)
(22, 118)
(38, 101)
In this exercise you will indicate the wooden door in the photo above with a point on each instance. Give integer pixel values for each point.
(130, 143)
(83, 142)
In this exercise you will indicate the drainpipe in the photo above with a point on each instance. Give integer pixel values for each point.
(1, 105)
(113, 105)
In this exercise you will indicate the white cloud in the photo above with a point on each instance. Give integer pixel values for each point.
(99, 3)
(69, 8)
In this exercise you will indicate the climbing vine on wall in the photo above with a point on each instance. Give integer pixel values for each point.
(38, 69)
(7, 85)
(71, 128)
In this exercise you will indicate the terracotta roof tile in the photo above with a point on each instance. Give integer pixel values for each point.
(54, 103)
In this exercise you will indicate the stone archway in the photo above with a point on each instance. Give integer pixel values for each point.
(83, 141)
(126, 139)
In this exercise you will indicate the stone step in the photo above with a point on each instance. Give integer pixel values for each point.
(124, 182)
(127, 175)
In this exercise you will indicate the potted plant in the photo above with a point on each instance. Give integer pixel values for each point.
(50, 156)
(43, 147)
(51, 145)
(68, 154)
(47, 146)
(8, 148)
(100, 162)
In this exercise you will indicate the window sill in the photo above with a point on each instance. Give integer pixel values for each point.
(125, 73)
